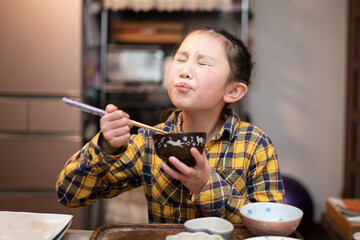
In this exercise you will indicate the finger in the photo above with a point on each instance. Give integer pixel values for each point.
(183, 168)
(119, 140)
(116, 131)
(200, 162)
(116, 115)
(124, 115)
(110, 108)
(170, 171)
(114, 123)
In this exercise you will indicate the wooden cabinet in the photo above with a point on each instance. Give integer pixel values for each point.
(13, 114)
(35, 115)
(40, 62)
(40, 47)
(34, 162)
(50, 115)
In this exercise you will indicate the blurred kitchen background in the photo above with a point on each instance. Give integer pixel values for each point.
(117, 51)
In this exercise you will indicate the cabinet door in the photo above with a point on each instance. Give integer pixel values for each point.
(13, 114)
(40, 47)
(50, 115)
(34, 162)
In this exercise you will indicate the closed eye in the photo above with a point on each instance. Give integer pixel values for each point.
(204, 64)
(181, 56)
(180, 59)
(205, 60)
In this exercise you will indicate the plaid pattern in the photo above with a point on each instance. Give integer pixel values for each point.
(244, 169)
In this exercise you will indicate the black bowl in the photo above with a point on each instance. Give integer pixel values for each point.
(179, 145)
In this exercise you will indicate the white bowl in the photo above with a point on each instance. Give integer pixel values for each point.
(271, 238)
(271, 219)
(211, 225)
(194, 236)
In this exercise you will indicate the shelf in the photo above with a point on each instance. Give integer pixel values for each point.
(147, 32)
(172, 6)
(141, 88)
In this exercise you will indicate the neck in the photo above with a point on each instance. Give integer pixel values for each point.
(210, 123)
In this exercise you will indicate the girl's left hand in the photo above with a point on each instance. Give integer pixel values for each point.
(194, 178)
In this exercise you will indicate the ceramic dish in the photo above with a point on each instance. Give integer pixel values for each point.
(356, 236)
(39, 226)
(271, 238)
(179, 145)
(271, 219)
(211, 225)
(194, 236)
(63, 231)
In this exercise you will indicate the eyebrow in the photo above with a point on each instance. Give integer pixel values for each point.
(206, 57)
(182, 53)
(200, 56)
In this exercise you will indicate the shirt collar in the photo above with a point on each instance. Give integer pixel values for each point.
(227, 131)
(173, 124)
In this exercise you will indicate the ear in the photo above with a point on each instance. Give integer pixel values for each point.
(235, 91)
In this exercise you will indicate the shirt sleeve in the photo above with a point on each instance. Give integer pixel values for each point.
(91, 174)
(263, 183)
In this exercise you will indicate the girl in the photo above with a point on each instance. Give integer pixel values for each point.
(210, 70)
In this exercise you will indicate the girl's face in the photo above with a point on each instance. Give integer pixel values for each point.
(197, 76)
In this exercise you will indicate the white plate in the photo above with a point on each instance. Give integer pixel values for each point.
(63, 231)
(37, 226)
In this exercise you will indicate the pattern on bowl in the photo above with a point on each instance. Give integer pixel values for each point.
(211, 225)
(179, 145)
(275, 219)
(192, 141)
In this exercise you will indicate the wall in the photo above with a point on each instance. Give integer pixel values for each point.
(298, 95)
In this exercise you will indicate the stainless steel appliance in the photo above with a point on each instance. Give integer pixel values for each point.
(135, 63)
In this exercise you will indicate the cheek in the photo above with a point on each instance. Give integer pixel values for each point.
(208, 78)
(172, 73)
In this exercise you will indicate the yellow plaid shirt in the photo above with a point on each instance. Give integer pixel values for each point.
(244, 169)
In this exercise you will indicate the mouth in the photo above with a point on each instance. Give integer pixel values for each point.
(183, 87)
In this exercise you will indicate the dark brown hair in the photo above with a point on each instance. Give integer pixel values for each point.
(237, 53)
(238, 56)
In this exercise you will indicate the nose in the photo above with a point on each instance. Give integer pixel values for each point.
(185, 74)
(186, 71)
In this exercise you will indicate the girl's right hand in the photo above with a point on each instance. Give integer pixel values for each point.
(115, 126)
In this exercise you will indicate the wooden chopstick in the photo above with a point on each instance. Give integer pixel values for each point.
(137, 124)
(96, 111)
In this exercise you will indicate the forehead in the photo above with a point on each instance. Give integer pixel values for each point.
(203, 41)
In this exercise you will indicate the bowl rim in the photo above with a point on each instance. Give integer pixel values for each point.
(230, 226)
(272, 237)
(243, 208)
(196, 234)
(179, 133)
